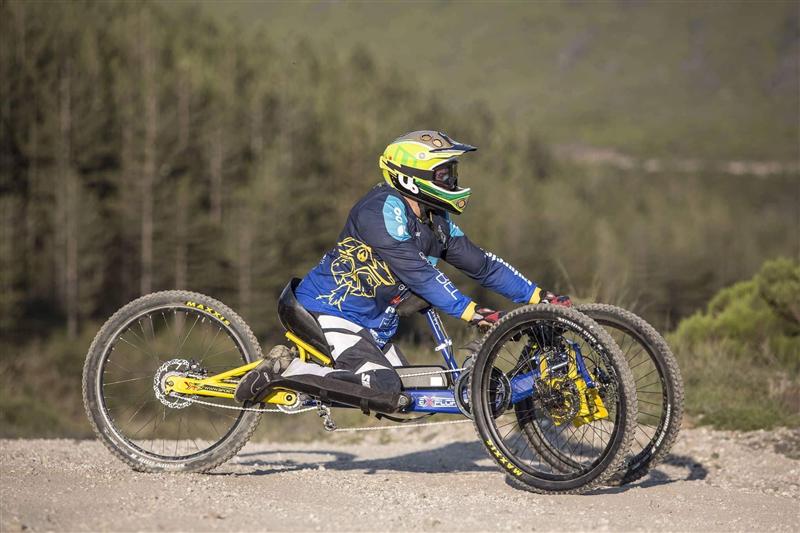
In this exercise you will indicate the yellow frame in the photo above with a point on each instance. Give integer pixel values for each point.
(224, 385)
(307, 350)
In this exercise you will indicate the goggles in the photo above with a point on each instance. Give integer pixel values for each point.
(446, 175)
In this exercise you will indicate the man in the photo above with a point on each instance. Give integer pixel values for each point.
(388, 250)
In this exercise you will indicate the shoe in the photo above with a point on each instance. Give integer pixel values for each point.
(253, 386)
(283, 355)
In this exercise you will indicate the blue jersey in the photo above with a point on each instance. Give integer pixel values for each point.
(385, 251)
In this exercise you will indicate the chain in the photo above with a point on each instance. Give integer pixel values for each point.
(330, 425)
(401, 426)
(235, 408)
(432, 373)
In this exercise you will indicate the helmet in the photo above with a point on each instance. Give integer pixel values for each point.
(423, 165)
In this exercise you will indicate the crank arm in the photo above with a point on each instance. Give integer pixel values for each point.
(221, 389)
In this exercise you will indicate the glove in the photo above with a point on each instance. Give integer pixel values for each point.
(484, 318)
(548, 297)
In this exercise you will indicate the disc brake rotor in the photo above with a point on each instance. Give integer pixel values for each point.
(559, 398)
(173, 367)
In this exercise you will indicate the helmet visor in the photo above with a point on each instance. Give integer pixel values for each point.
(446, 175)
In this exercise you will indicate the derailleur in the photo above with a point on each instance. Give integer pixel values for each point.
(324, 412)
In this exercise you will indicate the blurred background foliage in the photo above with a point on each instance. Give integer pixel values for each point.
(740, 356)
(644, 154)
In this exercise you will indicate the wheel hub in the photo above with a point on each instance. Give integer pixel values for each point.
(559, 398)
(499, 392)
(173, 367)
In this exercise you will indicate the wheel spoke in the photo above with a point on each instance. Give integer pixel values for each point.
(178, 351)
(126, 381)
(562, 450)
(646, 360)
(167, 427)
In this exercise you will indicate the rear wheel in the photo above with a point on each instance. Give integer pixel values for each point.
(659, 387)
(135, 353)
(523, 343)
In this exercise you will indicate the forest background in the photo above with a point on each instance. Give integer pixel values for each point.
(637, 153)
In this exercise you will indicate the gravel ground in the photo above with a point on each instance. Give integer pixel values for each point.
(421, 479)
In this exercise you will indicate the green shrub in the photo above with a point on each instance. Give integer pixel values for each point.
(740, 358)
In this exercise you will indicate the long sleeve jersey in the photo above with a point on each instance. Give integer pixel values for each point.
(385, 251)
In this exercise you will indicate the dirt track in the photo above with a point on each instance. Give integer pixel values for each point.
(425, 479)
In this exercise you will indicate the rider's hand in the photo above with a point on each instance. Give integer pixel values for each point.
(484, 318)
(548, 297)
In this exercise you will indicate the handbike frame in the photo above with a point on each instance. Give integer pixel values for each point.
(443, 401)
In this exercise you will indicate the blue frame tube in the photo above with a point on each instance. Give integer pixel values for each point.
(443, 400)
(444, 344)
(433, 401)
(587, 377)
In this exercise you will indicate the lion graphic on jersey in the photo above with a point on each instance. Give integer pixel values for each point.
(356, 272)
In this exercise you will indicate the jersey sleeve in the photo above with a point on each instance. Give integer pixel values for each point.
(386, 231)
(488, 269)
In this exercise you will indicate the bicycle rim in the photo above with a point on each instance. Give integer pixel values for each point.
(584, 447)
(140, 353)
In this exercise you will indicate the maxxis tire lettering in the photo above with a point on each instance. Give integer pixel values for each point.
(224, 449)
(626, 409)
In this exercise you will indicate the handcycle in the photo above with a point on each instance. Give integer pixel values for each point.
(550, 393)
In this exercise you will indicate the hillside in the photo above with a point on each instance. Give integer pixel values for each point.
(717, 80)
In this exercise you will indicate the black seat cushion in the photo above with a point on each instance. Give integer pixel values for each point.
(298, 320)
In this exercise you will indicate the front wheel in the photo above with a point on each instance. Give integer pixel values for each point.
(135, 353)
(555, 373)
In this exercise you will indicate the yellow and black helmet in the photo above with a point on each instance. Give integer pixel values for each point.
(423, 165)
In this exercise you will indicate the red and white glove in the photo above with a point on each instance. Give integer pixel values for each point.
(485, 318)
(548, 297)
